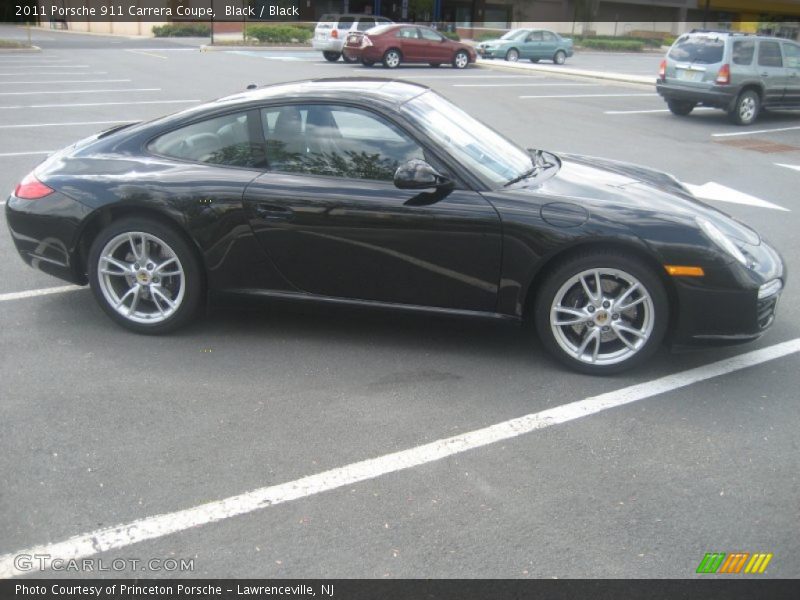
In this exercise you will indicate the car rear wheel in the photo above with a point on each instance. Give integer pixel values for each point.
(745, 109)
(680, 107)
(349, 59)
(512, 55)
(331, 56)
(461, 60)
(601, 313)
(392, 58)
(145, 276)
(560, 57)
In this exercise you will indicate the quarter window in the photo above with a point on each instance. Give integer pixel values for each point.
(221, 141)
(335, 141)
(792, 54)
(743, 52)
(769, 54)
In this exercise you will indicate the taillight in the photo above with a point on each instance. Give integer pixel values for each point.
(662, 70)
(31, 188)
(335, 33)
(724, 75)
(366, 42)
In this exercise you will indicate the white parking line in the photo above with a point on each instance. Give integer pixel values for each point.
(471, 85)
(415, 76)
(753, 132)
(594, 96)
(119, 91)
(40, 82)
(61, 73)
(794, 167)
(64, 124)
(31, 153)
(121, 536)
(43, 66)
(41, 292)
(643, 112)
(77, 104)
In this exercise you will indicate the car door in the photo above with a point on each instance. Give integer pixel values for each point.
(771, 71)
(791, 64)
(549, 45)
(434, 46)
(330, 218)
(410, 45)
(532, 48)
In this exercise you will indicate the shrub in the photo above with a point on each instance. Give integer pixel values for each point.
(614, 45)
(451, 35)
(278, 34)
(488, 35)
(182, 30)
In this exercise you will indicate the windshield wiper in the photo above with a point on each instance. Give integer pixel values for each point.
(538, 161)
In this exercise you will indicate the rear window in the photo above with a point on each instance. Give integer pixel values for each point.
(699, 49)
(743, 52)
(345, 22)
(364, 24)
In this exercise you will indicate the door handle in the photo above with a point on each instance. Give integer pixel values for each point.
(272, 212)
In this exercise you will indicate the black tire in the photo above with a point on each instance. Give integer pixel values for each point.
(560, 57)
(512, 55)
(331, 56)
(193, 285)
(367, 63)
(534, 60)
(392, 58)
(562, 274)
(746, 108)
(350, 60)
(461, 60)
(681, 108)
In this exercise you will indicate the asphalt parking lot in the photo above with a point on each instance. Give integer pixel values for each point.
(100, 427)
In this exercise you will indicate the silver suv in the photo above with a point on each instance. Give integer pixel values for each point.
(331, 32)
(739, 73)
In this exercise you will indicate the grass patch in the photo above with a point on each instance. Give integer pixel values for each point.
(182, 30)
(614, 45)
(13, 44)
(279, 34)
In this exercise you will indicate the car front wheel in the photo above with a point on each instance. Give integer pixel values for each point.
(144, 275)
(745, 109)
(331, 56)
(461, 60)
(512, 55)
(601, 313)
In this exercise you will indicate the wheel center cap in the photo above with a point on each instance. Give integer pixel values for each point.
(601, 317)
(143, 277)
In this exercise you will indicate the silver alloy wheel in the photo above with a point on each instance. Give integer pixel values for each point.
(392, 59)
(461, 60)
(602, 316)
(560, 58)
(747, 109)
(512, 56)
(141, 277)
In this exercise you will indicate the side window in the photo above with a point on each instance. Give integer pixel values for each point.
(408, 33)
(769, 54)
(430, 35)
(535, 36)
(365, 24)
(335, 141)
(743, 52)
(791, 52)
(548, 37)
(221, 141)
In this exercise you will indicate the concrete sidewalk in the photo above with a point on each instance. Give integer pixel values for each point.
(564, 70)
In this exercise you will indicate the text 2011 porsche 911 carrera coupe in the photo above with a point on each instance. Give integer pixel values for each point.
(381, 193)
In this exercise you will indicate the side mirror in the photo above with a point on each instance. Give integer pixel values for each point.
(418, 175)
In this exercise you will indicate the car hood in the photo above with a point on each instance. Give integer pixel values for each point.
(620, 190)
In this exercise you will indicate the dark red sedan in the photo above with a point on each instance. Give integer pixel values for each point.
(395, 44)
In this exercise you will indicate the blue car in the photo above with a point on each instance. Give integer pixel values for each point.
(533, 44)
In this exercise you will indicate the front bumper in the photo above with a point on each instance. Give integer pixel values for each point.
(718, 314)
(716, 96)
(46, 233)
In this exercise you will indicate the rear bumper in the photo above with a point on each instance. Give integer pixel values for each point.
(329, 45)
(716, 96)
(46, 232)
(725, 316)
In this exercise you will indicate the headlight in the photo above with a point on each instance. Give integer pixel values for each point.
(721, 240)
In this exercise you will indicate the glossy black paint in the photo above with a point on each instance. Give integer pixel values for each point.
(464, 248)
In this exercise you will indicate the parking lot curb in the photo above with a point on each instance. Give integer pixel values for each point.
(223, 48)
(608, 76)
(15, 50)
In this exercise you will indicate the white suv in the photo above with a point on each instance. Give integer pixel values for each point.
(331, 31)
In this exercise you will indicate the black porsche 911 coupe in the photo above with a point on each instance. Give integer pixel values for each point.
(381, 193)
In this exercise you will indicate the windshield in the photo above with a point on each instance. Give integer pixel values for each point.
(699, 49)
(514, 34)
(473, 144)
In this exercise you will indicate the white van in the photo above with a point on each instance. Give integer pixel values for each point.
(331, 31)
